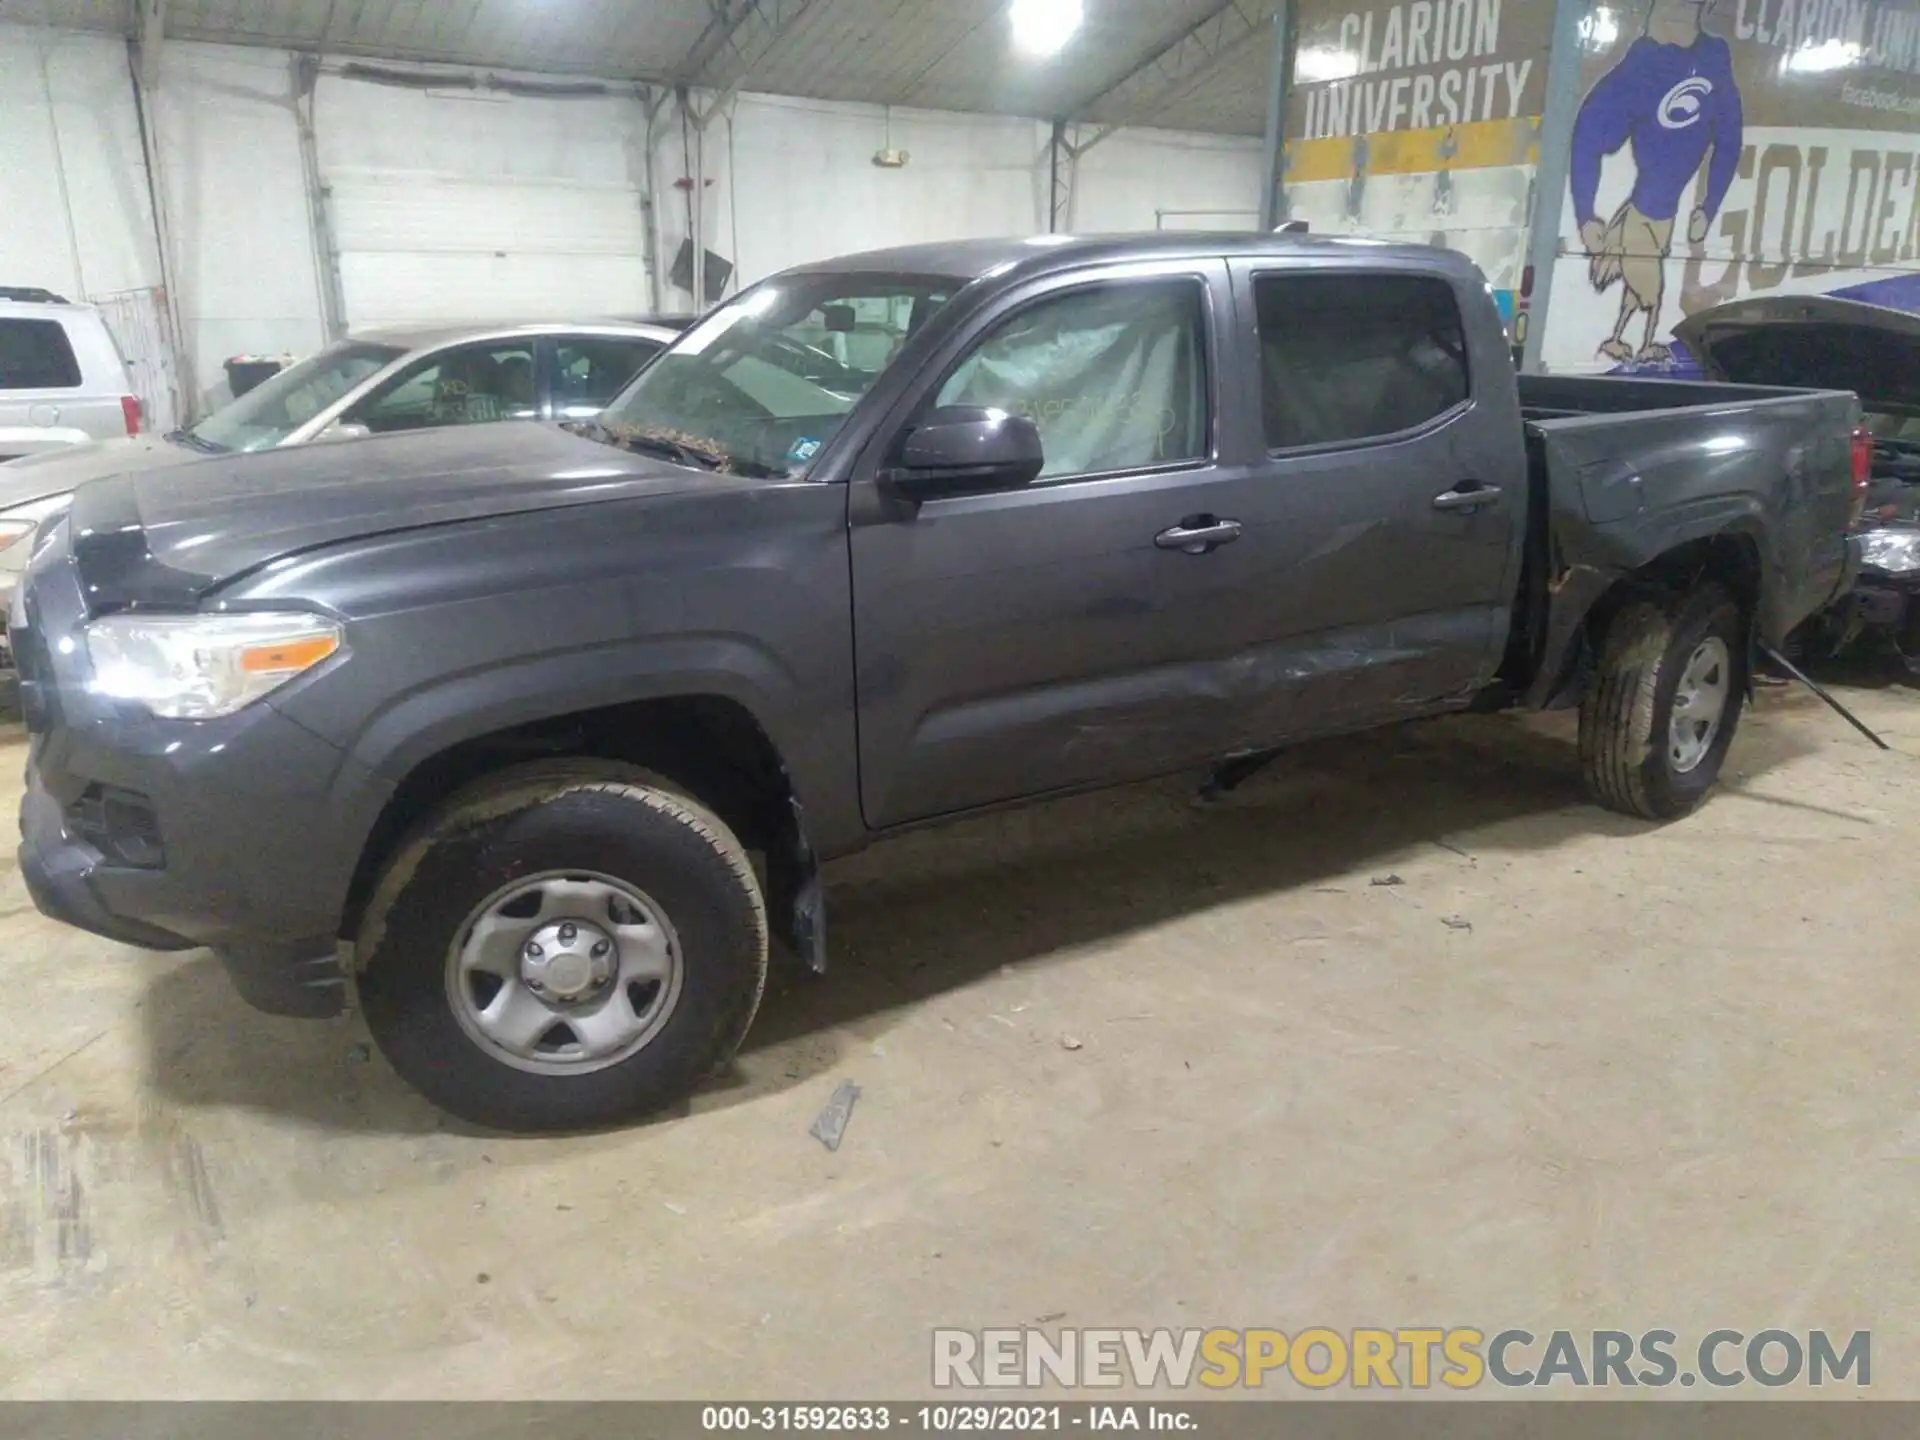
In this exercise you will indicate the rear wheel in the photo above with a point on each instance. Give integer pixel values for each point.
(563, 947)
(1656, 723)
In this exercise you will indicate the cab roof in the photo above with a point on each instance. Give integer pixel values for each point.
(1023, 257)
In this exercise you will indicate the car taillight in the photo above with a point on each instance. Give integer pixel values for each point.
(130, 409)
(1862, 471)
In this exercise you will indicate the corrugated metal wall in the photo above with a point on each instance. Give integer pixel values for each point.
(456, 205)
(481, 205)
(74, 211)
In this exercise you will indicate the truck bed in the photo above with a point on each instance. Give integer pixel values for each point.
(1621, 470)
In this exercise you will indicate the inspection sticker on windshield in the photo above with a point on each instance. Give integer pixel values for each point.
(803, 450)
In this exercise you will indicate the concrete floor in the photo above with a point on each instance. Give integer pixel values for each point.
(1124, 1063)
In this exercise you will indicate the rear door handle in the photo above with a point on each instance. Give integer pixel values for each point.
(1469, 495)
(1198, 534)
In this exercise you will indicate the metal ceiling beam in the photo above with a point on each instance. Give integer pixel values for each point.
(1174, 72)
(150, 34)
(1273, 192)
(1063, 170)
(740, 34)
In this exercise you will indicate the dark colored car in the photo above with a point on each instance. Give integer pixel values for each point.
(1873, 351)
(502, 716)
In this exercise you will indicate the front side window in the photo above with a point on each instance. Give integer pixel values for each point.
(1348, 358)
(282, 403)
(760, 385)
(589, 370)
(36, 355)
(466, 385)
(1113, 375)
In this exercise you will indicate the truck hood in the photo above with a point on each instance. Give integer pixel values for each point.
(58, 472)
(166, 537)
(1812, 342)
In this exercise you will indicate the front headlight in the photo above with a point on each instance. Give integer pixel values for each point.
(21, 521)
(200, 667)
(1895, 551)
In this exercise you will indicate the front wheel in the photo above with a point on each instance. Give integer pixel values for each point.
(562, 947)
(1657, 720)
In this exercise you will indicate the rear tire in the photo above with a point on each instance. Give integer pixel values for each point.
(595, 854)
(1658, 655)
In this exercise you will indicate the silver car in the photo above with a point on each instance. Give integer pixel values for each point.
(62, 381)
(363, 385)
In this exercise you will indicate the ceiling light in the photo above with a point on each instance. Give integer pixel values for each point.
(1042, 27)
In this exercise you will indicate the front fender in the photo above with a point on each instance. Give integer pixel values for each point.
(413, 726)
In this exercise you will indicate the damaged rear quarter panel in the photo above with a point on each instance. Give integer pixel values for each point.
(1625, 489)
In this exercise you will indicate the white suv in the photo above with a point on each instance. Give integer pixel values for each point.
(62, 381)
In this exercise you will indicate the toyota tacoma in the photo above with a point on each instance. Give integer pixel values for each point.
(535, 737)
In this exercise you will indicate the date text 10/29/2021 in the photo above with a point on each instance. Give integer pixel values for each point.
(946, 1419)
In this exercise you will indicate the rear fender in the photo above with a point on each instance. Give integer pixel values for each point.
(1725, 542)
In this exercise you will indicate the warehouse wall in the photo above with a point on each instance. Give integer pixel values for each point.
(523, 179)
(74, 212)
(451, 204)
(802, 177)
(244, 265)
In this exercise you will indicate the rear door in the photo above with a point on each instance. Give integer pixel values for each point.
(1014, 643)
(1382, 521)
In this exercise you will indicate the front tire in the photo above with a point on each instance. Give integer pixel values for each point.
(563, 947)
(1660, 714)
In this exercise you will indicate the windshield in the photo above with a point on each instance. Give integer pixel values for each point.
(281, 404)
(762, 383)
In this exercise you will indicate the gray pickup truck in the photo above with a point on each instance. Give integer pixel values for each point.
(540, 734)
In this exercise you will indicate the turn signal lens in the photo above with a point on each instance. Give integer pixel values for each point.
(289, 658)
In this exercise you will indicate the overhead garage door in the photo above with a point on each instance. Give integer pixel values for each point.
(456, 206)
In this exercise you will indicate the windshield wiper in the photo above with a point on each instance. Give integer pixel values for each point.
(677, 450)
(193, 442)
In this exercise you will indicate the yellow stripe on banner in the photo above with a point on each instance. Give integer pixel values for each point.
(1474, 146)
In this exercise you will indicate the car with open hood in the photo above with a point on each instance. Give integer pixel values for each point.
(1874, 351)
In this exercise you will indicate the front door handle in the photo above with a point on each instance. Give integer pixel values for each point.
(1468, 495)
(1198, 534)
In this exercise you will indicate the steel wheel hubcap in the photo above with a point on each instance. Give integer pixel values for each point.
(564, 972)
(1700, 703)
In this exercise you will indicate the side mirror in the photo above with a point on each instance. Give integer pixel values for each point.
(966, 448)
(344, 430)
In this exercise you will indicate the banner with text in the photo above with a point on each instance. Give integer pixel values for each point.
(1725, 149)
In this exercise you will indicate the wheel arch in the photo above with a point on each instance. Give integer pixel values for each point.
(1587, 598)
(702, 736)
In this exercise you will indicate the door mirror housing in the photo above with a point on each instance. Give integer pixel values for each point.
(963, 448)
(344, 430)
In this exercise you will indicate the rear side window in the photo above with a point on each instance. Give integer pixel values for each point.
(1346, 358)
(35, 355)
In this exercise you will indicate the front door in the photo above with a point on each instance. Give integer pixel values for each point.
(1015, 643)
